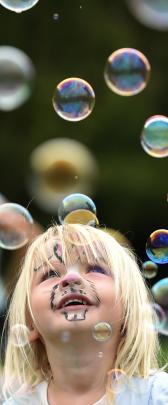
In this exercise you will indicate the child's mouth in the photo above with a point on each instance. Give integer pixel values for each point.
(77, 313)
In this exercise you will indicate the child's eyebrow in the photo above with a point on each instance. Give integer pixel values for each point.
(42, 265)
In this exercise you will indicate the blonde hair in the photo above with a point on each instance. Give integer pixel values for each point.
(138, 349)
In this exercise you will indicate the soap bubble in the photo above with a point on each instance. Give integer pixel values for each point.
(127, 72)
(15, 226)
(159, 317)
(149, 269)
(18, 5)
(102, 331)
(152, 13)
(55, 164)
(19, 335)
(55, 16)
(16, 77)
(157, 246)
(154, 137)
(117, 381)
(73, 99)
(160, 292)
(75, 202)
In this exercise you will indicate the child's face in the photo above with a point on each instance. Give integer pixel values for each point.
(73, 298)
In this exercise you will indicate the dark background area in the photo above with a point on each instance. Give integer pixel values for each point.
(131, 193)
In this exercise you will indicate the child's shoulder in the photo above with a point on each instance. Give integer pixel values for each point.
(150, 391)
(36, 396)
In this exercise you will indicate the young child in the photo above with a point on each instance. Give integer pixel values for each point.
(81, 325)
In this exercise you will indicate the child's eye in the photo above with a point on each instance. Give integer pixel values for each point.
(96, 269)
(50, 274)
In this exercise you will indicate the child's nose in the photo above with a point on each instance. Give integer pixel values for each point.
(71, 279)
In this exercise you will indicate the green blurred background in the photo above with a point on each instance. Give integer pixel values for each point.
(131, 192)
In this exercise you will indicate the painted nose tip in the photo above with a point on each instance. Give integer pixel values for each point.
(71, 279)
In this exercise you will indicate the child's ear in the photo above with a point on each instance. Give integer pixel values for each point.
(33, 333)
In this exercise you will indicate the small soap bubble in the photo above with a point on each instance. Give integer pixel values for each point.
(102, 331)
(149, 269)
(75, 202)
(19, 335)
(127, 72)
(117, 381)
(16, 78)
(15, 226)
(154, 137)
(100, 355)
(157, 246)
(65, 336)
(55, 16)
(73, 99)
(152, 13)
(18, 5)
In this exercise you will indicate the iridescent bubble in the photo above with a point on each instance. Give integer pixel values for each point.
(19, 335)
(15, 226)
(149, 269)
(18, 5)
(127, 72)
(160, 292)
(73, 99)
(75, 202)
(117, 381)
(157, 246)
(152, 13)
(158, 317)
(154, 137)
(16, 77)
(102, 331)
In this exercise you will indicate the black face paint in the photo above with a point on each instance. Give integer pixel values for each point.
(56, 253)
(52, 296)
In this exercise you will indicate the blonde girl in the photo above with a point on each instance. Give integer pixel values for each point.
(81, 328)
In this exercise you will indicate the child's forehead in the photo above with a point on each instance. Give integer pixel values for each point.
(68, 252)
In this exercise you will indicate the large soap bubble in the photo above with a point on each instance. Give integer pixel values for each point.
(152, 13)
(75, 202)
(60, 167)
(157, 246)
(15, 226)
(160, 294)
(73, 99)
(18, 5)
(154, 137)
(127, 71)
(16, 77)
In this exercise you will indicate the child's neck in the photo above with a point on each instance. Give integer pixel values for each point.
(79, 376)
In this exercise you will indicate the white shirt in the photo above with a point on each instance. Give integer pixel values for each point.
(153, 391)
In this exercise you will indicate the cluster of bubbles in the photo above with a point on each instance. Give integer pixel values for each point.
(152, 13)
(15, 226)
(77, 208)
(16, 77)
(18, 5)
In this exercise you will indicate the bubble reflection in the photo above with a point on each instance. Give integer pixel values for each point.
(157, 246)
